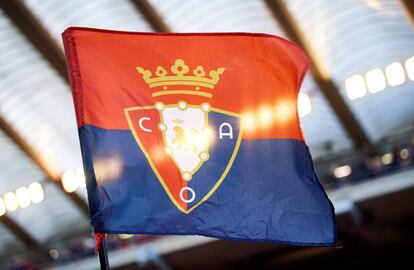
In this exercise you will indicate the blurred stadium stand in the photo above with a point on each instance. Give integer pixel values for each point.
(356, 109)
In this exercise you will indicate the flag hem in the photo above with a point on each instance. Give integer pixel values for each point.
(252, 34)
(328, 244)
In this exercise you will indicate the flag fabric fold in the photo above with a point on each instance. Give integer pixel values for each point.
(195, 134)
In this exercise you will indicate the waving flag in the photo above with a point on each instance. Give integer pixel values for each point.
(195, 134)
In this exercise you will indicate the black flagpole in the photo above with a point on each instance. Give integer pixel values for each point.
(103, 256)
(101, 248)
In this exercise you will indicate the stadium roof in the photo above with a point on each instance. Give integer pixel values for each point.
(359, 86)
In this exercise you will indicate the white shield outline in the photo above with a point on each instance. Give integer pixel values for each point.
(151, 162)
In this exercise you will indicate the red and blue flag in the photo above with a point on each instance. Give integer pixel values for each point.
(195, 134)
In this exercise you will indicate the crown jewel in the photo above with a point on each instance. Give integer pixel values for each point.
(181, 77)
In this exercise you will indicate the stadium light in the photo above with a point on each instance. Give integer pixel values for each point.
(395, 74)
(304, 105)
(409, 67)
(80, 177)
(125, 236)
(284, 111)
(375, 80)
(355, 87)
(404, 154)
(387, 158)
(54, 254)
(342, 171)
(23, 197)
(2, 207)
(69, 182)
(265, 116)
(36, 192)
(248, 121)
(10, 201)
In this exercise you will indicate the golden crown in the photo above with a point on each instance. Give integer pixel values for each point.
(180, 77)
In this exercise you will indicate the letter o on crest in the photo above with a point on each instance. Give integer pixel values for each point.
(190, 190)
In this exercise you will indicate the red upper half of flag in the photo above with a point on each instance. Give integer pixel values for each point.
(261, 78)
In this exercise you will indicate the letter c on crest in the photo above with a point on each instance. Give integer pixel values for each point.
(142, 119)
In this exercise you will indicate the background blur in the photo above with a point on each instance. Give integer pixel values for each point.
(356, 107)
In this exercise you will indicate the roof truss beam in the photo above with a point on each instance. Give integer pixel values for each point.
(151, 15)
(18, 231)
(52, 175)
(408, 7)
(33, 30)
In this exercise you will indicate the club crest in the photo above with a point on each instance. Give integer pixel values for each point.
(189, 145)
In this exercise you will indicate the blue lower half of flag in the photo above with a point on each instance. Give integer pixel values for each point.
(270, 193)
